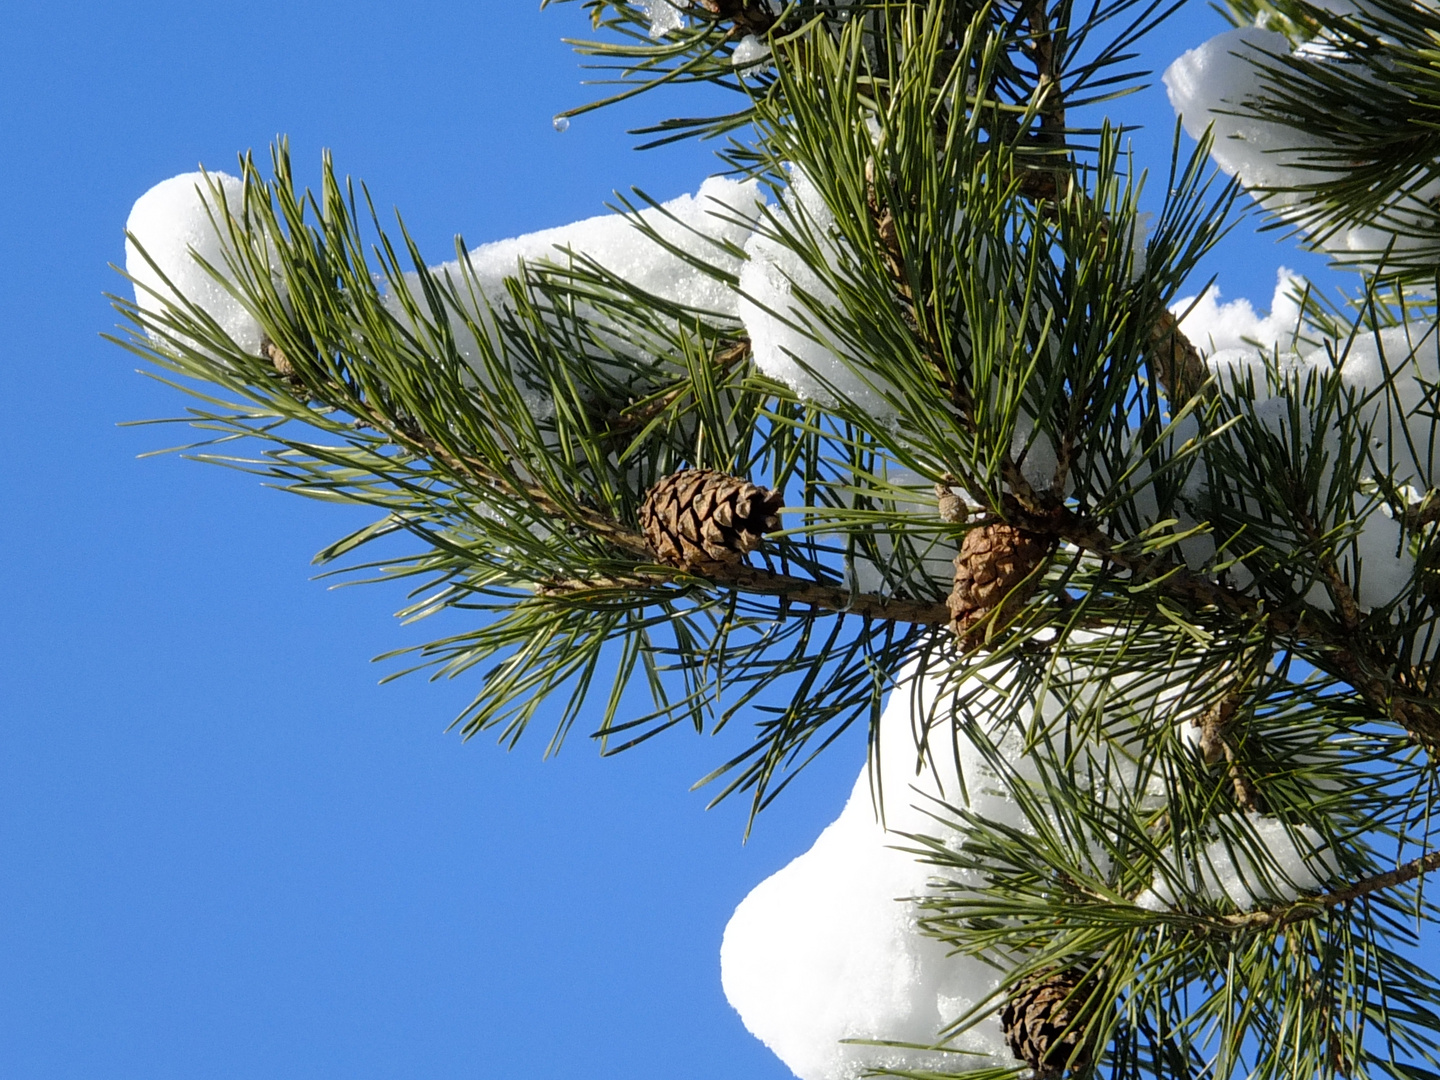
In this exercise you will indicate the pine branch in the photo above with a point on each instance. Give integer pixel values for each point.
(1315, 906)
(1215, 742)
(741, 578)
(644, 411)
(1344, 596)
(1346, 653)
(1049, 96)
(1178, 364)
(967, 274)
(793, 590)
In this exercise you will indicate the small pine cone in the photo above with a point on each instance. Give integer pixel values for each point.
(283, 367)
(951, 507)
(1046, 1022)
(699, 518)
(993, 562)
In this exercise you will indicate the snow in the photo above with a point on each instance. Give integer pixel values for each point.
(785, 306)
(1214, 327)
(722, 212)
(1208, 85)
(1140, 227)
(1385, 564)
(1277, 864)
(1207, 81)
(934, 556)
(1036, 457)
(175, 225)
(711, 225)
(1405, 355)
(828, 948)
(750, 55)
(1375, 561)
(1242, 346)
(782, 304)
(664, 16)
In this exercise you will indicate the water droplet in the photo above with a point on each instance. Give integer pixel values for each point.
(561, 123)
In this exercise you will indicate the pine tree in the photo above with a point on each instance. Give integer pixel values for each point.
(925, 425)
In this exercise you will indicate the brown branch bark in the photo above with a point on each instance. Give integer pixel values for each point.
(1047, 77)
(1178, 366)
(793, 590)
(1340, 591)
(1425, 512)
(1315, 906)
(745, 16)
(1217, 746)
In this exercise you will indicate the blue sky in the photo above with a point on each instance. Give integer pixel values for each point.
(224, 850)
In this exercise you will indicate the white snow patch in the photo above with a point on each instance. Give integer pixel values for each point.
(1140, 228)
(1405, 440)
(1208, 85)
(934, 559)
(828, 948)
(781, 304)
(1213, 327)
(663, 15)
(175, 222)
(1279, 863)
(709, 226)
(751, 55)
(722, 211)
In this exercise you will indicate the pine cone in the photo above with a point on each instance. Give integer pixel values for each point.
(1047, 1020)
(993, 563)
(951, 507)
(699, 518)
(283, 367)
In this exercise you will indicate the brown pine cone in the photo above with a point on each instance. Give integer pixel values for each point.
(950, 506)
(699, 518)
(1047, 1020)
(990, 572)
(283, 367)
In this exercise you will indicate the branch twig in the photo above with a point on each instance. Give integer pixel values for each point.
(1216, 744)
(1315, 906)
(751, 579)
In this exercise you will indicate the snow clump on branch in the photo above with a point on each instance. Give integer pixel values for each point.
(696, 242)
(699, 238)
(1390, 377)
(1389, 374)
(174, 230)
(1211, 86)
(721, 215)
(663, 15)
(1279, 863)
(783, 301)
(829, 948)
